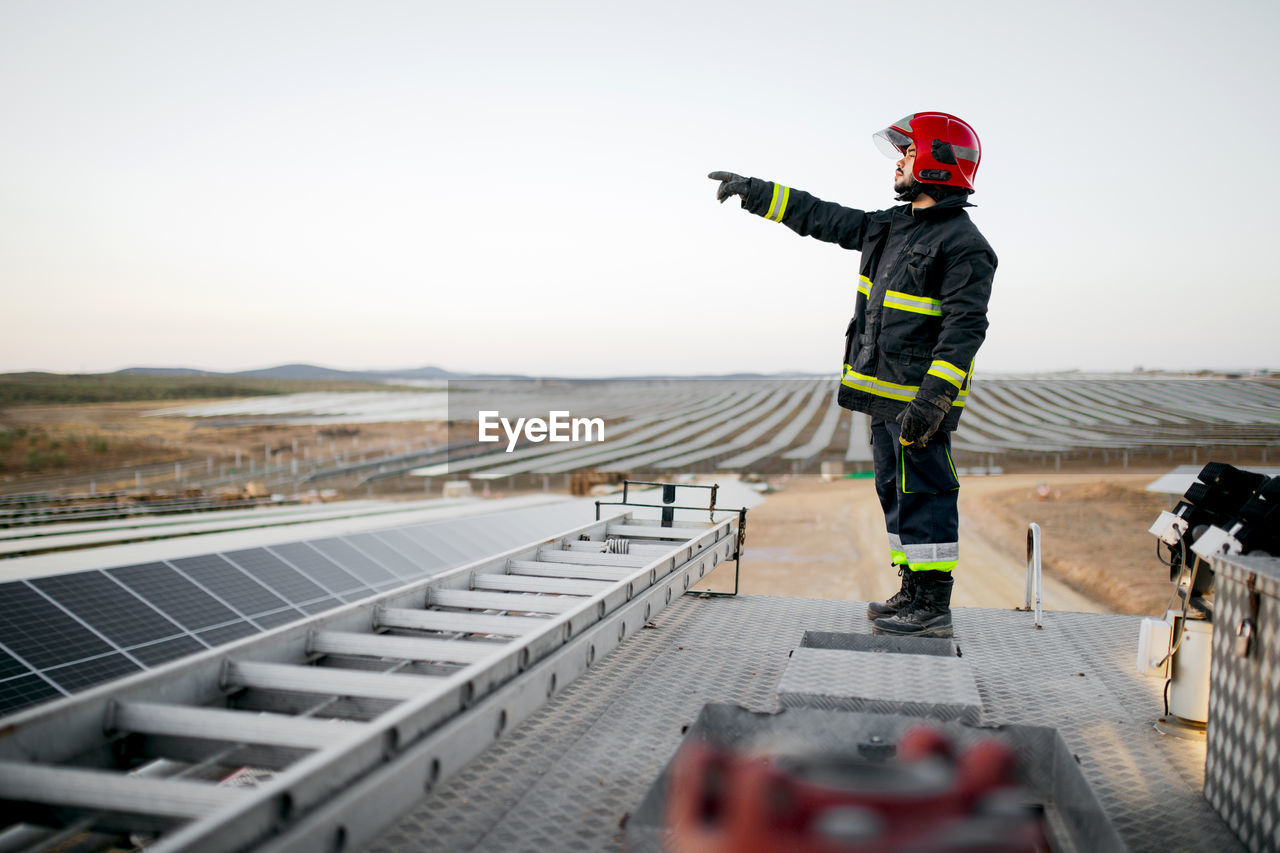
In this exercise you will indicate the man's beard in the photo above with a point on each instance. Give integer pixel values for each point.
(907, 188)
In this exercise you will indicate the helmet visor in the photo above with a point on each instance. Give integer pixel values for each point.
(892, 143)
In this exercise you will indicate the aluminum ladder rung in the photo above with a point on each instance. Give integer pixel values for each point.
(567, 570)
(652, 532)
(220, 724)
(597, 558)
(467, 623)
(327, 680)
(101, 790)
(530, 583)
(475, 600)
(400, 648)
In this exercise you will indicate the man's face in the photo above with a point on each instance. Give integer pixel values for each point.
(902, 178)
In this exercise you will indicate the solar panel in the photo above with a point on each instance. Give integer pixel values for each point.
(18, 693)
(11, 667)
(227, 633)
(461, 541)
(320, 606)
(386, 555)
(39, 632)
(439, 550)
(318, 567)
(352, 560)
(451, 548)
(63, 633)
(86, 673)
(285, 580)
(174, 595)
(230, 584)
(164, 651)
(275, 620)
(423, 558)
(107, 607)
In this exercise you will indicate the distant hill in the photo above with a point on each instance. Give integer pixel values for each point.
(311, 371)
(163, 371)
(304, 371)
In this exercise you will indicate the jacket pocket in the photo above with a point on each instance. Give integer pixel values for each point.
(905, 363)
(920, 262)
(928, 470)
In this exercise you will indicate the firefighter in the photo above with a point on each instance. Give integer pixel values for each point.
(921, 314)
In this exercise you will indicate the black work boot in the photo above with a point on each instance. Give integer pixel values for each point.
(900, 599)
(929, 614)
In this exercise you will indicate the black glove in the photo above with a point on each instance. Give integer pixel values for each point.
(730, 184)
(921, 418)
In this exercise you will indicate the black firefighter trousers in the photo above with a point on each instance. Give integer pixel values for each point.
(917, 487)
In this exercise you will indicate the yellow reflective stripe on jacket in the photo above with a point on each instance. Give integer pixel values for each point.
(778, 204)
(948, 371)
(878, 387)
(909, 302)
(864, 286)
(889, 390)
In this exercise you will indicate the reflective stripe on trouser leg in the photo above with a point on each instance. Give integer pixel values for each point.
(922, 509)
(896, 555)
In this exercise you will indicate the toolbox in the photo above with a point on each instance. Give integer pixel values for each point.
(1242, 760)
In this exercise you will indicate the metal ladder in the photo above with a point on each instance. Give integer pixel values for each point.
(314, 736)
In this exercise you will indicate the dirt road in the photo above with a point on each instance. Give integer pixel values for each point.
(826, 540)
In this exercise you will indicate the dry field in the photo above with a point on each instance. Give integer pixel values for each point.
(51, 445)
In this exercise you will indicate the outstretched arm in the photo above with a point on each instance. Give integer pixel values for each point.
(803, 213)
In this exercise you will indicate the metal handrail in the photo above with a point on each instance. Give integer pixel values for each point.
(1035, 582)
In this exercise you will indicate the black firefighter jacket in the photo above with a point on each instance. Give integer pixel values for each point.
(922, 295)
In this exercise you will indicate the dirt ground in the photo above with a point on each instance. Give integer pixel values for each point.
(826, 540)
(50, 445)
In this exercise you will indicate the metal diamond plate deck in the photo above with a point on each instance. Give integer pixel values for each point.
(885, 683)
(567, 778)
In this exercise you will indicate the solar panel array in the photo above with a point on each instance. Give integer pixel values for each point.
(728, 425)
(65, 633)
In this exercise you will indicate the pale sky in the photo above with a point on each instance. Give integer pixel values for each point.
(517, 186)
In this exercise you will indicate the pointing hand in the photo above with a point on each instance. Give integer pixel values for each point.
(730, 185)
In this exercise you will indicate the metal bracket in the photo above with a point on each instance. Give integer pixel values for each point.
(1169, 528)
(1215, 541)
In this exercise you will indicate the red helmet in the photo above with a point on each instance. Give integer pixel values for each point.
(947, 148)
